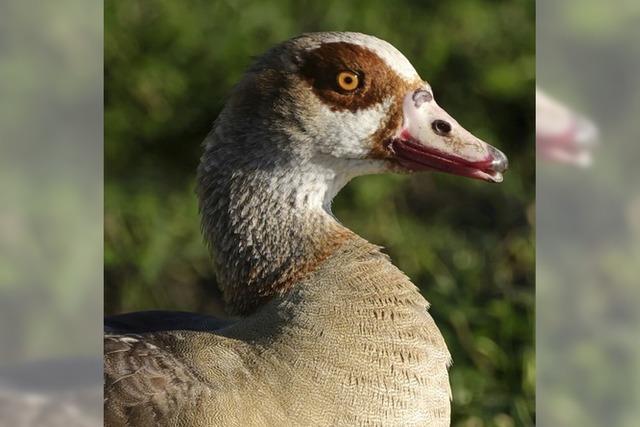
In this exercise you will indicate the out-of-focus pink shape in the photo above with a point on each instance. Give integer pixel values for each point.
(562, 135)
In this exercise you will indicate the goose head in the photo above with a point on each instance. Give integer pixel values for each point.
(309, 115)
(352, 104)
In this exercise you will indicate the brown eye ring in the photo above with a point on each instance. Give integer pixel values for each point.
(348, 81)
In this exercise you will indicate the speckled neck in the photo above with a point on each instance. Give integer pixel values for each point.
(268, 223)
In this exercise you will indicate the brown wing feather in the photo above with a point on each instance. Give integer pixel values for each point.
(143, 380)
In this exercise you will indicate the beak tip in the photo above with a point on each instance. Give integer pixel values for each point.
(500, 165)
(500, 162)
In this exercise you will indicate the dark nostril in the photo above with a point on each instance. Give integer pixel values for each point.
(441, 127)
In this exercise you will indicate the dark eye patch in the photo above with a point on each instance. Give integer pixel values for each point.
(322, 66)
(377, 81)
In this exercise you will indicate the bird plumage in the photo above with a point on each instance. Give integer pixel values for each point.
(352, 344)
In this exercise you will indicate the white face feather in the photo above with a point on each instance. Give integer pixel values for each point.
(341, 153)
(345, 134)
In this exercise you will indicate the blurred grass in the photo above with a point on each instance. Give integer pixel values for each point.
(468, 245)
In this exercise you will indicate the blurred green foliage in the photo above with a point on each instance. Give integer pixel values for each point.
(468, 245)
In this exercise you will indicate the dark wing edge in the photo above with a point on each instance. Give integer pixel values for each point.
(162, 320)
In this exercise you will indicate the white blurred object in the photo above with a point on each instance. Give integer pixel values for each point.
(37, 409)
(562, 135)
(51, 393)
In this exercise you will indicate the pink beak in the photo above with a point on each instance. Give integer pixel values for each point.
(430, 139)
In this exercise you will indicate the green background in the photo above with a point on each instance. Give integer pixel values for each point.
(468, 245)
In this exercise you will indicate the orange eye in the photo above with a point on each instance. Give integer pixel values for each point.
(348, 80)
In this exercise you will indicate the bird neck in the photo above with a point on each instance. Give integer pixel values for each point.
(268, 223)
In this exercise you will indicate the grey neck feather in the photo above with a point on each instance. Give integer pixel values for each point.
(267, 220)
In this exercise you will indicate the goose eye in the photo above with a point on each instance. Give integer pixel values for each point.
(348, 80)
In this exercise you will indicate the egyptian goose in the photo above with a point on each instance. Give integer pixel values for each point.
(562, 135)
(333, 334)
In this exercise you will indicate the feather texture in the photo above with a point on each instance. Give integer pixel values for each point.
(353, 344)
